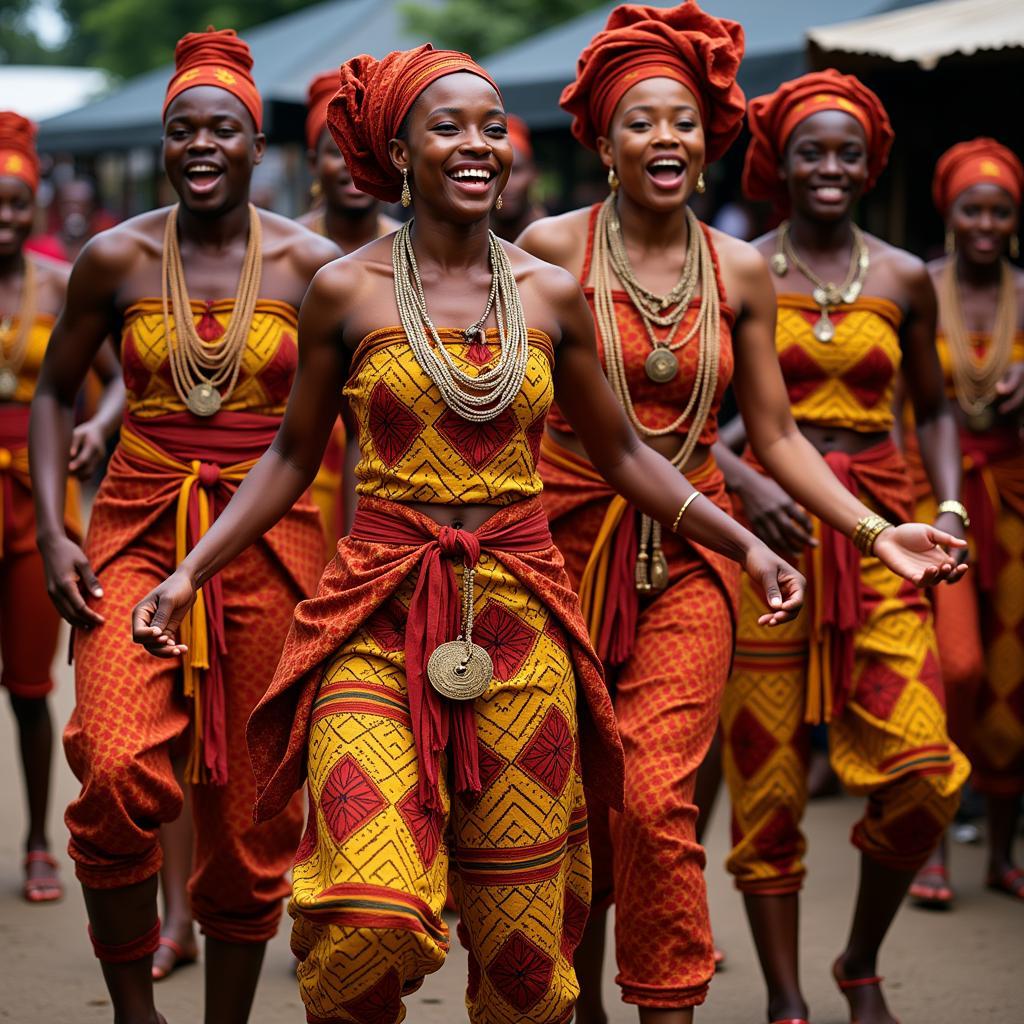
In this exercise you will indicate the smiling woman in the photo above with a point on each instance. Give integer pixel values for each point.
(204, 296)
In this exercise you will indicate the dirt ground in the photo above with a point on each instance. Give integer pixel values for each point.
(967, 965)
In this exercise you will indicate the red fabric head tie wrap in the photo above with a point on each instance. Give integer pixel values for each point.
(321, 92)
(519, 136)
(373, 100)
(218, 58)
(682, 43)
(773, 118)
(18, 158)
(978, 162)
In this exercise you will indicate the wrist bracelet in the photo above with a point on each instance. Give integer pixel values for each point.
(867, 531)
(682, 510)
(958, 508)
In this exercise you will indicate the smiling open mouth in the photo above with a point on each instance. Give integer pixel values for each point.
(667, 172)
(203, 177)
(473, 179)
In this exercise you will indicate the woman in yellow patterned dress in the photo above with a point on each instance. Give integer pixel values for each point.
(405, 780)
(32, 290)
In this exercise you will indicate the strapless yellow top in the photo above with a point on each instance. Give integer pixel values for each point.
(980, 341)
(413, 448)
(268, 364)
(847, 382)
(35, 349)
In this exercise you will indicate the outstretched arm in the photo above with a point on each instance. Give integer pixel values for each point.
(277, 481)
(648, 480)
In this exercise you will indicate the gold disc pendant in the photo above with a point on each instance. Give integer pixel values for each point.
(8, 383)
(981, 421)
(204, 399)
(824, 329)
(460, 671)
(779, 264)
(661, 365)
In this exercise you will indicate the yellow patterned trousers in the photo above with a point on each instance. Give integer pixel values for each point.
(372, 872)
(889, 743)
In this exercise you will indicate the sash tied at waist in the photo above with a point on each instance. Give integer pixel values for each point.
(434, 618)
(13, 458)
(206, 485)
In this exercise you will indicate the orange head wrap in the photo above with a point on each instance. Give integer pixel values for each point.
(978, 162)
(18, 158)
(772, 119)
(321, 91)
(682, 43)
(372, 102)
(519, 136)
(217, 58)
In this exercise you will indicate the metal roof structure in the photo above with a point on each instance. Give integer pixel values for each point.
(287, 53)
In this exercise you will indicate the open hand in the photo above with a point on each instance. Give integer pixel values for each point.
(1011, 389)
(783, 586)
(156, 618)
(70, 580)
(921, 553)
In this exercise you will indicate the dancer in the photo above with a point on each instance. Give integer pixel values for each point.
(349, 218)
(518, 209)
(865, 661)
(207, 378)
(977, 189)
(32, 291)
(656, 95)
(449, 429)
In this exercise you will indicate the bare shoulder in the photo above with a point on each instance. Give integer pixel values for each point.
(907, 268)
(560, 240)
(50, 273)
(553, 284)
(767, 243)
(306, 248)
(745, 259)
(116, 252)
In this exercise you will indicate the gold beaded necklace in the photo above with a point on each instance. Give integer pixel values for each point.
(205, 373)
(652, 566)
(11, 361)
(974, 380)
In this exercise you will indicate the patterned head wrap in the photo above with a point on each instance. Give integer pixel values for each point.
(18, 158)
(978, 162)
(373, 100)
(321, 92)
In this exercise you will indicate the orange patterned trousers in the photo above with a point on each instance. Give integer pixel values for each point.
(130, 714)
(889, 743)
(372, 871)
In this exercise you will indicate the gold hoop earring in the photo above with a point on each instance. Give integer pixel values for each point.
(1014, 247)
(316, 190)
(613, 179)
(499, 204)
(950, 243)
(406, 194)
(701, 187)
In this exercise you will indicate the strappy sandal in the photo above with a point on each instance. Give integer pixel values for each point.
(1009, 882)
(719, 959)
(791, 1020)
(931, 889)
(181, 958)
(44, 889)
(847, 984)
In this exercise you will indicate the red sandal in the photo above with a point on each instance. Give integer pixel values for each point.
(791, 1020)
(846, 984)
(931, 888)
(181, 958)
(1010, 882)
(47, 888)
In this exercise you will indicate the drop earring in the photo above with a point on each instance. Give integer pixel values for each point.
(406, 194)
(316, 190)
(1014, 247)
(701, 187)
(613, 179)
(499, 204)
(950, 244)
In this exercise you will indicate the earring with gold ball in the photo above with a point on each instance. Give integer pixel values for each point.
(406, 194)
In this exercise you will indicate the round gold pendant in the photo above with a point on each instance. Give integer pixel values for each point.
(458, 673)
(982, 420)
(779, 264)
(824, 329)
(203, 400)
(852, 294)
(8, 383)
(661, 365)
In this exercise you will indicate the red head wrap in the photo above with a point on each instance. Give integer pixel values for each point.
(682, 43)
(773, 118)
(217, 58)
(372, 102)
(519, 136)
(18, 157)
(978, 162)
(321, 92)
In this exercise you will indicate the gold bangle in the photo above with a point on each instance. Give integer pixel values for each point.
(867, 531)
(958, 508)
(682, 510)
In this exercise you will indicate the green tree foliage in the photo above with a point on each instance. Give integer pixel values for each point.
(482, 27)
(18, 44)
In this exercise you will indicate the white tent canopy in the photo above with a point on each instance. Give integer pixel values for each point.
(46, 91)
(927, 33)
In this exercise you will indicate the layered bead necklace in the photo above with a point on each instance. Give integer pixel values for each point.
(974, 379)
(12, 358)
(205, 372)
(826, 294)
(461, 669)
(611, 260)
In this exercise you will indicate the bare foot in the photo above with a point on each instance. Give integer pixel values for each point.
(177, 948)
(864, 994)
(41, 882)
